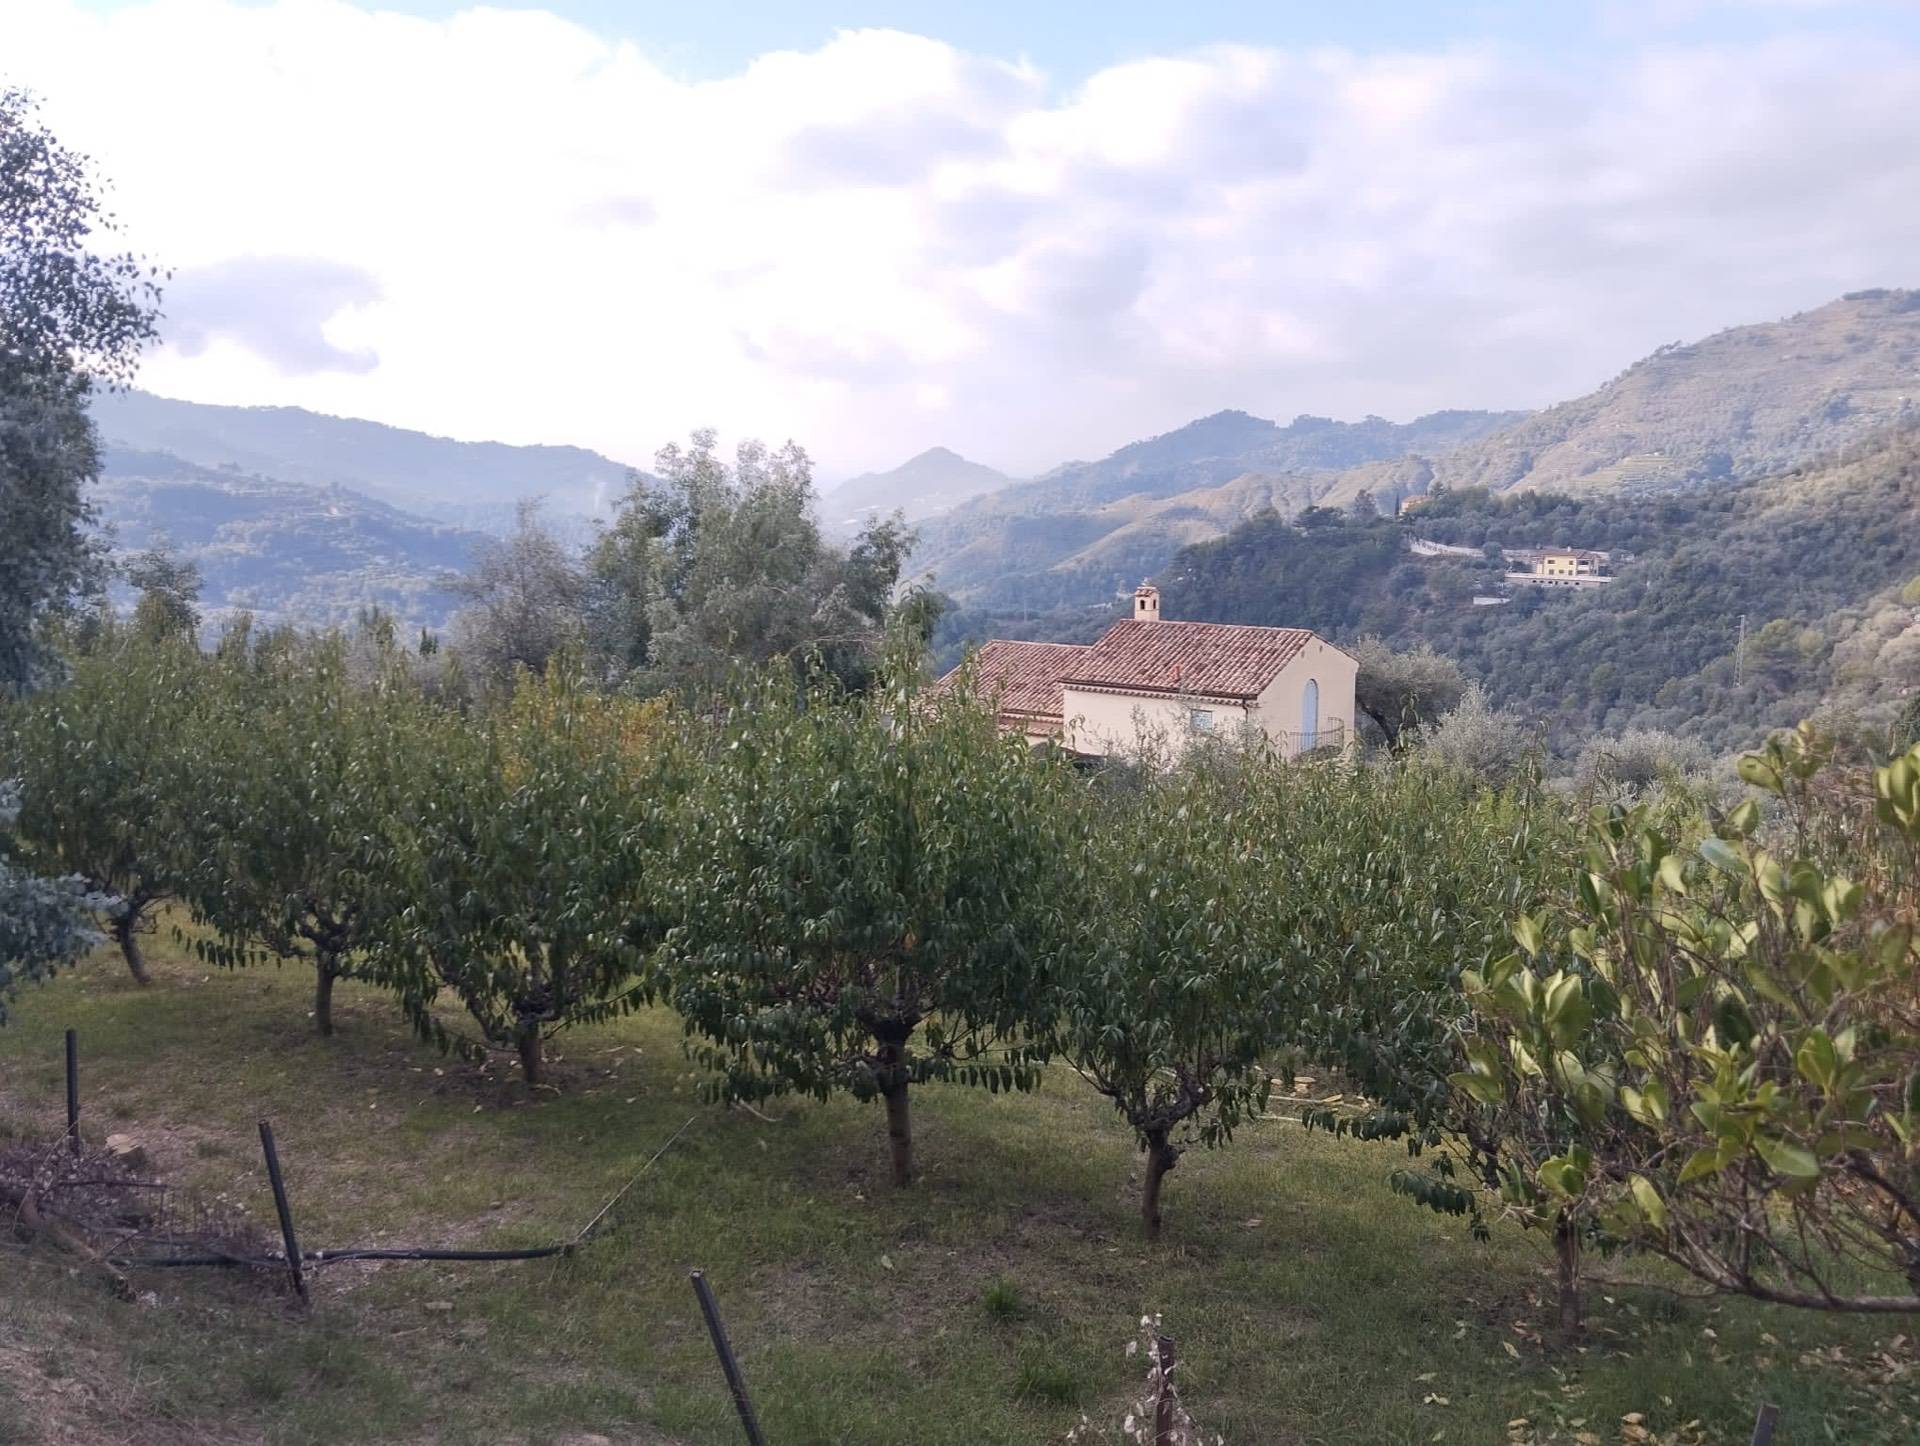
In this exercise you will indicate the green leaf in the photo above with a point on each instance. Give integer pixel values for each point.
(1723, 856)
(1816, 1059)
(1649, 1201)
(1701, 1163)
(1756, 770)
(1526, 933)
(1787, 1158)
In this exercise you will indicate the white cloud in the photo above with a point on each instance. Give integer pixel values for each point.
(501, 225)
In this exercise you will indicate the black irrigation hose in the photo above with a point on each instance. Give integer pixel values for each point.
(334, 1257)
(406, 1252)
(329, 1257)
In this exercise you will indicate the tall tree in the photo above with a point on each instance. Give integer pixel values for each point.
(169, 593)
(70, 318)
(711, 563)
(525, 601)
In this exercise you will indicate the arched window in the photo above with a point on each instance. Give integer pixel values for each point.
(1310, 716)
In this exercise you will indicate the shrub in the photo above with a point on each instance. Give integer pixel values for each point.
(1477, 739)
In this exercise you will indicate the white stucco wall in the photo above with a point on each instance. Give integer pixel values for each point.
(1279, 708)
(1109, 723)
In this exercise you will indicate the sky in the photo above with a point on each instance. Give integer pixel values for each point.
(1029, 232)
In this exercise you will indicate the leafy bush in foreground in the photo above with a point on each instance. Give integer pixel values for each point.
(1712, 1053)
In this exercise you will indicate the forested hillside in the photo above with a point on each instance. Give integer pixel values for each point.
(1821, 561)
(1738, 404)
(288, 553)
(1086, 529)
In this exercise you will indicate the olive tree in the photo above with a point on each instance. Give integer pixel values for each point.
(71, 315)
(710, 562)
(858, 894)
(1399, 692)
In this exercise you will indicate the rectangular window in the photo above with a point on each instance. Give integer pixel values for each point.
(1201, 719)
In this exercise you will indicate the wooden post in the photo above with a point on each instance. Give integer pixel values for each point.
(285, 1212)
(73, 1093)
(1764, 1423)
(1163, 1397)
(736, 1383)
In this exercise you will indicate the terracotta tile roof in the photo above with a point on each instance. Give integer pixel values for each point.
(1210, 660)
(1023, 679)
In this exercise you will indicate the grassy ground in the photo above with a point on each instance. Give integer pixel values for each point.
(988, 1304)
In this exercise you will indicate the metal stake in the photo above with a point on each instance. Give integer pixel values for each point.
(735, 1381)
(285, 1210)
(1164, 1397)
(73, 1093)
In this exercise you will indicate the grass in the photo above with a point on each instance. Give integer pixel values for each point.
(988, 1304)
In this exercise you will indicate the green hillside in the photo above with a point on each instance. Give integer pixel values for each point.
(288, 553)
(1820, 560)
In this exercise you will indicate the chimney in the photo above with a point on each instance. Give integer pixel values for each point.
(1146, 603)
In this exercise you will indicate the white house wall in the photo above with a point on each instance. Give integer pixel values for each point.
(1108, 723)
(1278, 709)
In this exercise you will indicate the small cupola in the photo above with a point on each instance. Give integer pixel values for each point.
(1146, 603)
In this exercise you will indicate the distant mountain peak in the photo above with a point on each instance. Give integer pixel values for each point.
(929, 483)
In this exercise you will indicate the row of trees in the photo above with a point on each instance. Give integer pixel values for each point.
(1702, 1036)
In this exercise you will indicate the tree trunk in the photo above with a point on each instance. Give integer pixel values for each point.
(532, 1060)
(900, 1134)
(325, 971)
(1161, 1157)
(126, 936)
(1566, 1245)
(891, 1071)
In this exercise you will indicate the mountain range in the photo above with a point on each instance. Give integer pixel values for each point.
(305, 517)
(469, 484)
(1741, 403)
